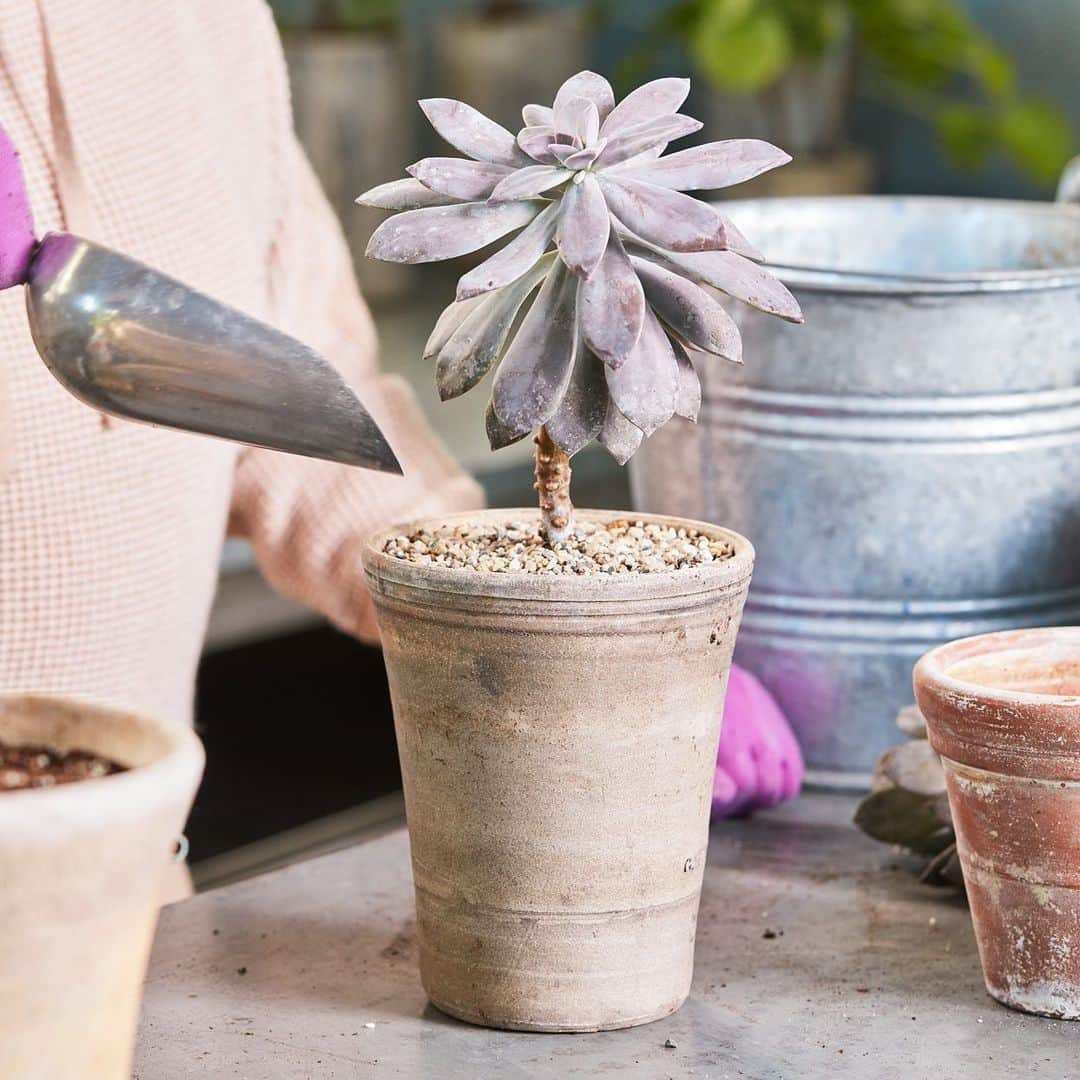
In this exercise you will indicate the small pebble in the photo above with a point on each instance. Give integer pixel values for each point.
(669, 1045)
(370, 1024)
(624, 546)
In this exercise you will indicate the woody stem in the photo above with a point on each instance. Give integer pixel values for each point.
(553, 487)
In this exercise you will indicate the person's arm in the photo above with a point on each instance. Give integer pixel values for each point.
(307, 519)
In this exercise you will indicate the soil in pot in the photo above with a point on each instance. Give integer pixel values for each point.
(39, 767)
(623, 546)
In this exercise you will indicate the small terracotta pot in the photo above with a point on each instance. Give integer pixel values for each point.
(1003, 710)
(558, 743)
(81, 867)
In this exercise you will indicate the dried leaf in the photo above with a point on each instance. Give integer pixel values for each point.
(591, 87)
(444, 232)
(712, 165)
(471, 132)
(459, 177)
(529, 182)
(583, 226)
(477, 343)
(897, 816)
(661, 97)
(538, 116)
(448, 321)
(738, 277)
(581, 412)
(618, 436)
(645, 387)
(688, 399)
(534, 373)
(406, 194)
(499, 435)
(611, 305)
(698, 318)
(513, 260)
(667, 218)
(632, 141)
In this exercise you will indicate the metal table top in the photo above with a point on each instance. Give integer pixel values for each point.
(819, 955)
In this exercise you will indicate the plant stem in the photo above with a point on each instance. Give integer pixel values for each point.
(553, 487)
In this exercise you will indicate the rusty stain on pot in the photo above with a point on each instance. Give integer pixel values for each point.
(1003, 711)
(576, 721)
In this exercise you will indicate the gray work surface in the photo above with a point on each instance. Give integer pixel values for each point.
(310, 972)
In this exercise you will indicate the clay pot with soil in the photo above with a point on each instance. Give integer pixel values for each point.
(558, 677)
(1003, 710)
(91, 804)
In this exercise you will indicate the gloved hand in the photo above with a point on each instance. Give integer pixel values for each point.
(759, 763)
(16, 225)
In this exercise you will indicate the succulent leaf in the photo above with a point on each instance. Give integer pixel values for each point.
(536, 143)
(587, 85)
(738, 277)
(591, 314)
(510, 262)
(529, 182)
(611, 304)
(458, 177)
(713, 165)
(689, 310)
(632, 141)
(581, 412)
(535, 370)
(618, 436)
(480, 338)
(584, 225)
(688, 398)
(538, 116)
(408, 194)
(499, 435)
(444, 232)
(661, 97)
(666, 218)
(645, 387)
(470, 131)
(450, 319)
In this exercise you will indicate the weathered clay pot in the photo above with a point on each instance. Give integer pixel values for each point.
(80, 874)
(558, 740)
(1003, 710)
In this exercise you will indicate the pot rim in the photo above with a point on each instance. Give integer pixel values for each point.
(90, 805)
(867, 282)
(932, 668)
(557, 588)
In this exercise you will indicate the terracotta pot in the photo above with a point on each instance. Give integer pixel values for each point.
(1003, 710)
(558, 741)
(80, 871)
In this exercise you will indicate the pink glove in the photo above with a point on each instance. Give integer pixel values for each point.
(759, 763)
(16, 225)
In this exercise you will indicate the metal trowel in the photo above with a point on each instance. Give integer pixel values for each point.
(135, 343)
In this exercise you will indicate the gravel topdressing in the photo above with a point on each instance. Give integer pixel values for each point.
(615, 547)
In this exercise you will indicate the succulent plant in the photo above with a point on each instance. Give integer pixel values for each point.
(590, 313)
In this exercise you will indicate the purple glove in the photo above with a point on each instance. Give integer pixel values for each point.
(16, 222)
(759, 763)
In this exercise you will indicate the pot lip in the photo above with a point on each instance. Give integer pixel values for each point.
(883, 283)
(92, 804)
(931, 671)
(556, 588)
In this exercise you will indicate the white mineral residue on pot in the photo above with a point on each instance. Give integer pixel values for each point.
(625, 546)
(1048, 998)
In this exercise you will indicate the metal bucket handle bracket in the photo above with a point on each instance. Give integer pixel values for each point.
(1069, 186)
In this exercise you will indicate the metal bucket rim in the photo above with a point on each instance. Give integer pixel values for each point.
(867, 282)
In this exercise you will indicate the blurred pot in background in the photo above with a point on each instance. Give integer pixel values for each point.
(507, 52)
(351, 75)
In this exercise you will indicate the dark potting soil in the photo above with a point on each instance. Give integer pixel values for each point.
(24, 767)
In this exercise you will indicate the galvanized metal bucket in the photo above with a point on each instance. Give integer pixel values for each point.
(907, 463)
